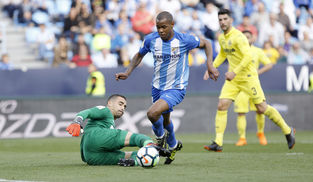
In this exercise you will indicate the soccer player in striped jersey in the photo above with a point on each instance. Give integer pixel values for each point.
(170, 52)
(241, 76)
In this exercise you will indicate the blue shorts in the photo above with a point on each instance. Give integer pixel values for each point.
(171, 96)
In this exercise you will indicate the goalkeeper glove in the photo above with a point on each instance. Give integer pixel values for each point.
(75, 128)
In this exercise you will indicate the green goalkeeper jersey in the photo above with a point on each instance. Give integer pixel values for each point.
(99, 116)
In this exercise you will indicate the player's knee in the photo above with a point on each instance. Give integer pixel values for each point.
(222, 106)
(261, 108)
(152, 115)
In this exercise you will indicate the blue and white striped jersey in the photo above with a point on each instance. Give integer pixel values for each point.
(171, 70)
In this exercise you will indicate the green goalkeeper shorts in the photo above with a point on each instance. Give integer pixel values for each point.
(101, 146)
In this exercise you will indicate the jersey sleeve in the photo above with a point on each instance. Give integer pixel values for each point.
(98, 112)
(263, 58)
(220, 58)
(145, 46)
(244, 47)
(192, 41)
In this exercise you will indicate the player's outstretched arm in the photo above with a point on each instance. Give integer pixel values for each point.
(212, 72)
(133, 64)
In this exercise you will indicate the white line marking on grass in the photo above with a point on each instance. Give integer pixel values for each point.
(249, 142)
(6, 180)
(295, 153)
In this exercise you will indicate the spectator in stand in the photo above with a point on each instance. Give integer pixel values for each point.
(101, 40)
(80, 41)
(5, 62)
(24, 16)
(247, 26)
(183, 20)
(210, 20)
(284, 19)
(86, 17)
(171, 6)
(45, 41)
(82, 58)
(194, 4)
(196, 26)
(282, 55)
(113, 9)
(260, 17)
(288, 41)
(86, 31)
(251, 6)
(274, 29)
(61, 53)
(307, 27)
(71, 24)
(302, 10)
(10, 6)
(271, 52)
(131, 48)
(103, 23)
(237, 8)
(119, 40)
(142, 21)
(123, 19)
(104, 59)
(297, 55)
(306, 43)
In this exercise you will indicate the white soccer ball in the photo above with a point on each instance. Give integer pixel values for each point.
(147, 157)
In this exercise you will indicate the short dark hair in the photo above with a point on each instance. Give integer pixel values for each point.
(247, 31)
(115, 96)
(165, 15)
(224, 11)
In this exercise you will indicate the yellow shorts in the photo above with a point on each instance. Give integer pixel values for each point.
(242, 102)
(251, 87)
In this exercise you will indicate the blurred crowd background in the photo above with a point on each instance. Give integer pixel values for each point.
(107, 33)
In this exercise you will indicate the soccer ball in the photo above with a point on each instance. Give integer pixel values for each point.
(147, 157)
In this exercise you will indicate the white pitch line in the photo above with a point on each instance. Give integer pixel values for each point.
(6, 180)
(250, 142)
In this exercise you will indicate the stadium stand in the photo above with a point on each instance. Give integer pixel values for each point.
(98, 20)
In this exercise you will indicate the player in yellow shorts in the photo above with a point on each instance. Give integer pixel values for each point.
(243, 100)
(241, 76)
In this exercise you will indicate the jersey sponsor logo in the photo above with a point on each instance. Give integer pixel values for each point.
(229, 51)
(162, 57)
(100, 107)
(174, 49)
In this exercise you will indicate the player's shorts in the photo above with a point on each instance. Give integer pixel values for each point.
(172, 96)
(242, 103)
(101, 146)
(252, 87)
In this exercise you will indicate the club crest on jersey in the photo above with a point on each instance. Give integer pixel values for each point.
(174, 50)
(229, 42)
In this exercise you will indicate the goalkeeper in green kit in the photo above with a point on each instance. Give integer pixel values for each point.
(101, 142)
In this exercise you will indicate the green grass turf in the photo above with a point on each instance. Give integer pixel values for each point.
(58, 159)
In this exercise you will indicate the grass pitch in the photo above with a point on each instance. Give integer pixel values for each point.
(58, 159)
